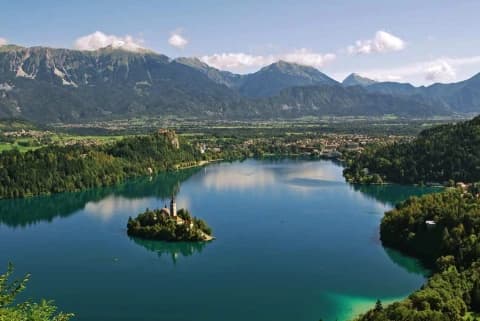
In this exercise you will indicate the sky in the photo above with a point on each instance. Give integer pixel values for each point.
(421, 42)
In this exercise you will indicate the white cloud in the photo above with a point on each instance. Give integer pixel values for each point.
(438, 70)
(99, 40)
(236, 61)
(242, 61)
(382, 42)
(306, 57)
(3, 41)
(177, 40)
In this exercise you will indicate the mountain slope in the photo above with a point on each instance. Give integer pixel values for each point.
(357, 80)
(47, 84)
(463, 96)
(347, 101)
(60, 85)
(271, 79)
(226, 78)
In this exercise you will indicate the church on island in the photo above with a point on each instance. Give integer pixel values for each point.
(173, 208)
(157, 225)
(172, 212)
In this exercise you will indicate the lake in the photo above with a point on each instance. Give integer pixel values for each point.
(294, 242)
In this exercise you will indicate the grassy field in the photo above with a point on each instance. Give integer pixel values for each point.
(25, 144)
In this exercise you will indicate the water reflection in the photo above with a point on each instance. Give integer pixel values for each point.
(303, 176)
(172, 250)
(407, 263)
(111, 205)
(392, 194)
(29, 211)
(244, 176)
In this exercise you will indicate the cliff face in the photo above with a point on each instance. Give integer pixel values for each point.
(49, 85)
(171, 137)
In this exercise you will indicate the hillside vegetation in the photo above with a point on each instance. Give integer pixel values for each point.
(12, 310)
(453, 243)
(439, 154)
(55, 169)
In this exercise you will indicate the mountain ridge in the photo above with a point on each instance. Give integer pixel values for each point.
(355, 79)
(44, 85)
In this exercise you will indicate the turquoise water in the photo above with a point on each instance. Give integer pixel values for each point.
(294, 242)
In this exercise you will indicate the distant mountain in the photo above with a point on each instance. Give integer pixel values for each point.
(357, 80)
(226, 78)
(349, 101)
(462, 97)
(47, 85)
(394, 88)
(270, 80)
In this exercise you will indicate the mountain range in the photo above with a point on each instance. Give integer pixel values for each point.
(60, 85)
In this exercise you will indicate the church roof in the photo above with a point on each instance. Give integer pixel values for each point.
(165, 211)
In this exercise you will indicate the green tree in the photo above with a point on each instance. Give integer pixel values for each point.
(378, 306)
(25, 311)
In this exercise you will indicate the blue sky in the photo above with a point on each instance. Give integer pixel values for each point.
(417, 41)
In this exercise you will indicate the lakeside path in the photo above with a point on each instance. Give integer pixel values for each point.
(198, 164)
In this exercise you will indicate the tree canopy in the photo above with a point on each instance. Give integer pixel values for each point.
(450, 243)
(439, 154)
(25, 311)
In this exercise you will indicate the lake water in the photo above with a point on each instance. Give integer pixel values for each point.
(294, 242)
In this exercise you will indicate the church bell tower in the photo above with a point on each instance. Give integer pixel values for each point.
(173, 206)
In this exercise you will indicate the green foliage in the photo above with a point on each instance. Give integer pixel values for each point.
(57, 169)
(445, 297)
(453, 244)
(378, 306)
(457, 223)
(26, 311)
(158, 225)
(440, 154)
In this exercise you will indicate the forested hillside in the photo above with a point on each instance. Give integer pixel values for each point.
(440, 154)
(57, 169)
(451, 240)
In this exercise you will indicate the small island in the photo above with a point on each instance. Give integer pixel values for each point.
(166, 224)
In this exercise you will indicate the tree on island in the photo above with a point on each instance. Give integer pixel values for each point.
(158, 224)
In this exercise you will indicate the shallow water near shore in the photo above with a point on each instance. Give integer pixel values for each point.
(293, 242)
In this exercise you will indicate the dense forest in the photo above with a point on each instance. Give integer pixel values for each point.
(438, 155)
(450, 242)
(156, 225)
(12, 310)
(55, 169)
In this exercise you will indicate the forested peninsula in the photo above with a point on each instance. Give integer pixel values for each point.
(442, 229)
(438, 155)
(55, 169)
